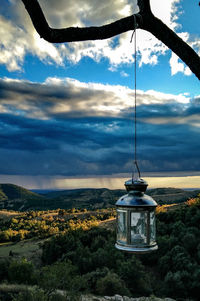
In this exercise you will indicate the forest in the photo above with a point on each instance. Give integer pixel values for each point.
(77, 256)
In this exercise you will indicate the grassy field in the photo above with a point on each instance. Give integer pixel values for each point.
(109, 224)
(8, 214)
(29, 249)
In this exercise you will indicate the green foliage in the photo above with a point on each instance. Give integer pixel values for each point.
(39, 224)
(21, 272)
(91, 278)
(110, 285)
(58, 276)
(4, 265)
(32, 295)
(101, 267)
(36, 294)
(178, 254)
(131, 269)
(83, 258)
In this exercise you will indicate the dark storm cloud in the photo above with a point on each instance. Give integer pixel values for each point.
(70, 129)
(170, 147)
(194, 108)
(160, 110)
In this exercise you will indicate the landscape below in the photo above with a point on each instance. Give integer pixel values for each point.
(13, 197)
(60, 245)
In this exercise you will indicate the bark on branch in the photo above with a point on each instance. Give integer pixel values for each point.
(145, 20)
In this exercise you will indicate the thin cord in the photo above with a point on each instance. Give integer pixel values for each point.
(135, 115)
(135, 103)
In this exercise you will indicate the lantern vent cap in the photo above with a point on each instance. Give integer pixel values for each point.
(136, 185)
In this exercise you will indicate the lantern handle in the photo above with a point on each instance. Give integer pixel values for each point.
(138, 170)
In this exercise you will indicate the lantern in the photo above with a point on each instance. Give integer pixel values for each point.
(136, 229)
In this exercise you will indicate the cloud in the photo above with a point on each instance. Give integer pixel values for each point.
(18, 37)
(67, 97)
(12, 53)
(175, 63)
(167, 11)
(177, 66)
(64, 127)
(124, 74)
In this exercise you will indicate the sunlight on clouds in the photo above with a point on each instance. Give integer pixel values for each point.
(177, 66)
(126, 10)
(68, 95)
(106, 99)
(166, 11)
(196, 45)
(157, 96)
(90, 99)
(148, 46)
(192, 120)
(44, 49)
(13, 46)
(21, 38)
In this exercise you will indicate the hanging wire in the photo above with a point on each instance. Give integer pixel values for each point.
(135, 100)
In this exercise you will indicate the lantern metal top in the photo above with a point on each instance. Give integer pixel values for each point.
(136, 185)
(136, 196)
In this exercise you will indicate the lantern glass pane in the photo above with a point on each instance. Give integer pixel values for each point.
(122, 226)
(138, 228)
(152, 227)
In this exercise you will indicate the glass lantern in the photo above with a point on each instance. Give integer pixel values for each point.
(136, 228)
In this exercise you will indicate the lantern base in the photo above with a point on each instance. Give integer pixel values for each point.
(139, 250)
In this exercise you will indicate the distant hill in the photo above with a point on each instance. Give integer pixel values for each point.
(101, 198)
(14, 197)
(171, 195)
(85, 198)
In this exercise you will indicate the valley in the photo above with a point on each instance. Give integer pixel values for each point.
(71, 249)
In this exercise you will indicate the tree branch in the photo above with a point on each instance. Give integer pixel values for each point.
(75, 34)
(145, 20)
(172, 41)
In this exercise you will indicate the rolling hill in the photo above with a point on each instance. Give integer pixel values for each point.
(13, 197)
(171, 195)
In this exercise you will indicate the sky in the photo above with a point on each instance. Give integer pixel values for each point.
(66, 110)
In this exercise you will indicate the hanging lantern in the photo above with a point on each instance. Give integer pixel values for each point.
(136, 229)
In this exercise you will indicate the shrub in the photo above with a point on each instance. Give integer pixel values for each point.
(31, 295)
(21, 272)
(110, 285)
(4, 264)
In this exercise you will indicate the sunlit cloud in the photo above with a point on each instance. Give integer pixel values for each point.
(19, 37)
(75, 98)
(177, 66)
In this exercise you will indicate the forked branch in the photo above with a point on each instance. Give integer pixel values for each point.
(145, 20)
